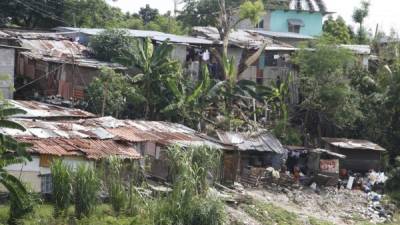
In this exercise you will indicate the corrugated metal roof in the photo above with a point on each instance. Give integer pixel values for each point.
(353, 144)
(239, 38)
(275, 34)
(108, 128)
(36, 109)
(263, 142)
(337, 155)
(32, 34)
(154, 35)
(89, 148)
(307, 5)
(62, 51)
(358, 49)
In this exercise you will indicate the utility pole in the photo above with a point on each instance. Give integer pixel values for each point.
(74, 19)
(176, 4)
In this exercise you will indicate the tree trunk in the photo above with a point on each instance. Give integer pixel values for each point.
(245, 62)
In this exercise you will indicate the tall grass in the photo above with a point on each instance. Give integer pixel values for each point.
(62, 187)
(190, 201)
(113, 178)
(86, 189)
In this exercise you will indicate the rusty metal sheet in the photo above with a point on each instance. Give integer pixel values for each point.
(43, 110)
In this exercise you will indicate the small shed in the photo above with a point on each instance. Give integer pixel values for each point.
(251, 150)
(361, 155)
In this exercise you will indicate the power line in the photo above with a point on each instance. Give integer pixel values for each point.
(43, 13)
(42, 5)
(39, 78)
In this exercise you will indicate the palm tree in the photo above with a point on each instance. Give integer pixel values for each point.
(13, 152)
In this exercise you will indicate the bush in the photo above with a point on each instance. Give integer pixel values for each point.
(86, 188)
(19, 209)
(62, 186)
(392, 185)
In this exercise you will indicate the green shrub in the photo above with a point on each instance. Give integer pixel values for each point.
(86, 188)
(392, 185)
(62, 186)
(18, 209)
(206, 211)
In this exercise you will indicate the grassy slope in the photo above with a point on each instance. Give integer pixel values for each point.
(265, 213)
(43, 215)
(268, 214)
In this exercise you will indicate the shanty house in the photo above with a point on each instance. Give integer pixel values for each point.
(361, 155)
(318, 165)
(47, 64)
(259, 151)
(187, 50)
(54, 133)
(273, 64)
(152, 138)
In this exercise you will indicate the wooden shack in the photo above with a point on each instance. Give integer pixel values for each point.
(361, 155)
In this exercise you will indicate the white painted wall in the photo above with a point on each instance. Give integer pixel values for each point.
(30, 172)
(32, 166)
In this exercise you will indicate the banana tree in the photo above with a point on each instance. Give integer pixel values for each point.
(155, 67)
(191, 102)
(13, 152)
(238, 96)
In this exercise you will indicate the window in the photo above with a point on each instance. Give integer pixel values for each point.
(46, 183)
(294, 28)
(294, 25)
(271, 59)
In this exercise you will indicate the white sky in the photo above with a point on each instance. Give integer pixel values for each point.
(386, 13)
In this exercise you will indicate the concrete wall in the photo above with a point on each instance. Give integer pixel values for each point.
(7, 68)
(312, 21)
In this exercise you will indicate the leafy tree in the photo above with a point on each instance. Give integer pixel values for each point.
(91, 13)
(148, 14)
(165, 23)
(337, 29)
(225, 15)
(13, 152)
(109, 93)
(32, 13)
(203, 12)
(329, 101)
(110, 44)
(359, 16)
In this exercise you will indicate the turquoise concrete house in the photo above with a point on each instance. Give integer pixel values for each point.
(303, 17)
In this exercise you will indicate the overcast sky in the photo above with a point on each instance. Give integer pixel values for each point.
(386, 13)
